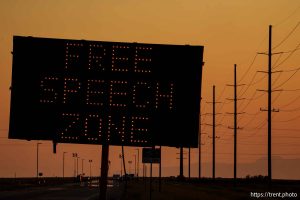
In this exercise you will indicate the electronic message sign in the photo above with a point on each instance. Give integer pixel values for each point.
(91, 92)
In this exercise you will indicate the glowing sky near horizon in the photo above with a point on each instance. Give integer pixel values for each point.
(232, 32)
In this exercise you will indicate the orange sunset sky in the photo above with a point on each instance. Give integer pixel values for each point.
(232, 32)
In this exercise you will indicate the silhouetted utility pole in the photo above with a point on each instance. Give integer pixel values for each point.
(189, 162)
(200, 131)
(235, 113)
(199, 142)
(159, 183)
(269, 109)
(181, 161)
(214, 134)
(270, 106)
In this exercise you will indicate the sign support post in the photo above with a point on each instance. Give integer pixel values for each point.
(181, 163)
(104, 171)
(160, 171)
(153, 148)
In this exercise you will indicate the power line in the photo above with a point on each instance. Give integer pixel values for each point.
(288, 35)
(253, 114)
(289, 16)
(253, 60)
(277, 60)
(291, 102)
(275, 99)
(281, 84)
(291, 90)
(250, 100)
(248, 85)
(291, 70)
(286, 129)
(277, 78)
(221, 94)
(291, 53)
(248, 68)
(290, 110)
(252, 119)
(288, 120)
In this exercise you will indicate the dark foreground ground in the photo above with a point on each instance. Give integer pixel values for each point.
(210, 190)
(171, 189)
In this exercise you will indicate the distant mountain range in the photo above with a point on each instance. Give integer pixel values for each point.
(281, 168)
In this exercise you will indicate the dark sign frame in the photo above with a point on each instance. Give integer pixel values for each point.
(90, 92)
(150, 155)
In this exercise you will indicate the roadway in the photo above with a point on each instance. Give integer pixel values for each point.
(66, 191)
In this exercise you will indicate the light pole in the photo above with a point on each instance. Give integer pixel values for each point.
(90, 161)
(37, 160)
(74, 156)
(77, 165)
(138, 162)
(82, 166)
(129, 162)
(108, 166)
(63, 169)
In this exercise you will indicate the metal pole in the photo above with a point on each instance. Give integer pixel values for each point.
(269, 106)
(200, 142)
(160, 170)
(120, 156)
(144, 171)
(64, 164)
(75, 156)
(189, 162)
(214, 135)
(77, 166)
(104, 171)
(124, 166)
(37, 160)
(138, 162)
(200, 132)
(82, 166)
(153, 149)
(90, 161)
(235, 124)
(129, 162)
(134, 164)
(181, 163)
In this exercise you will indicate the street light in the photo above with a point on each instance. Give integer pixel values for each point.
(121, 156)
(64, 163)
(75, 156)
(82, 166)
(77, 165)
(37, 159)
(129, 162)
(90, 161)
